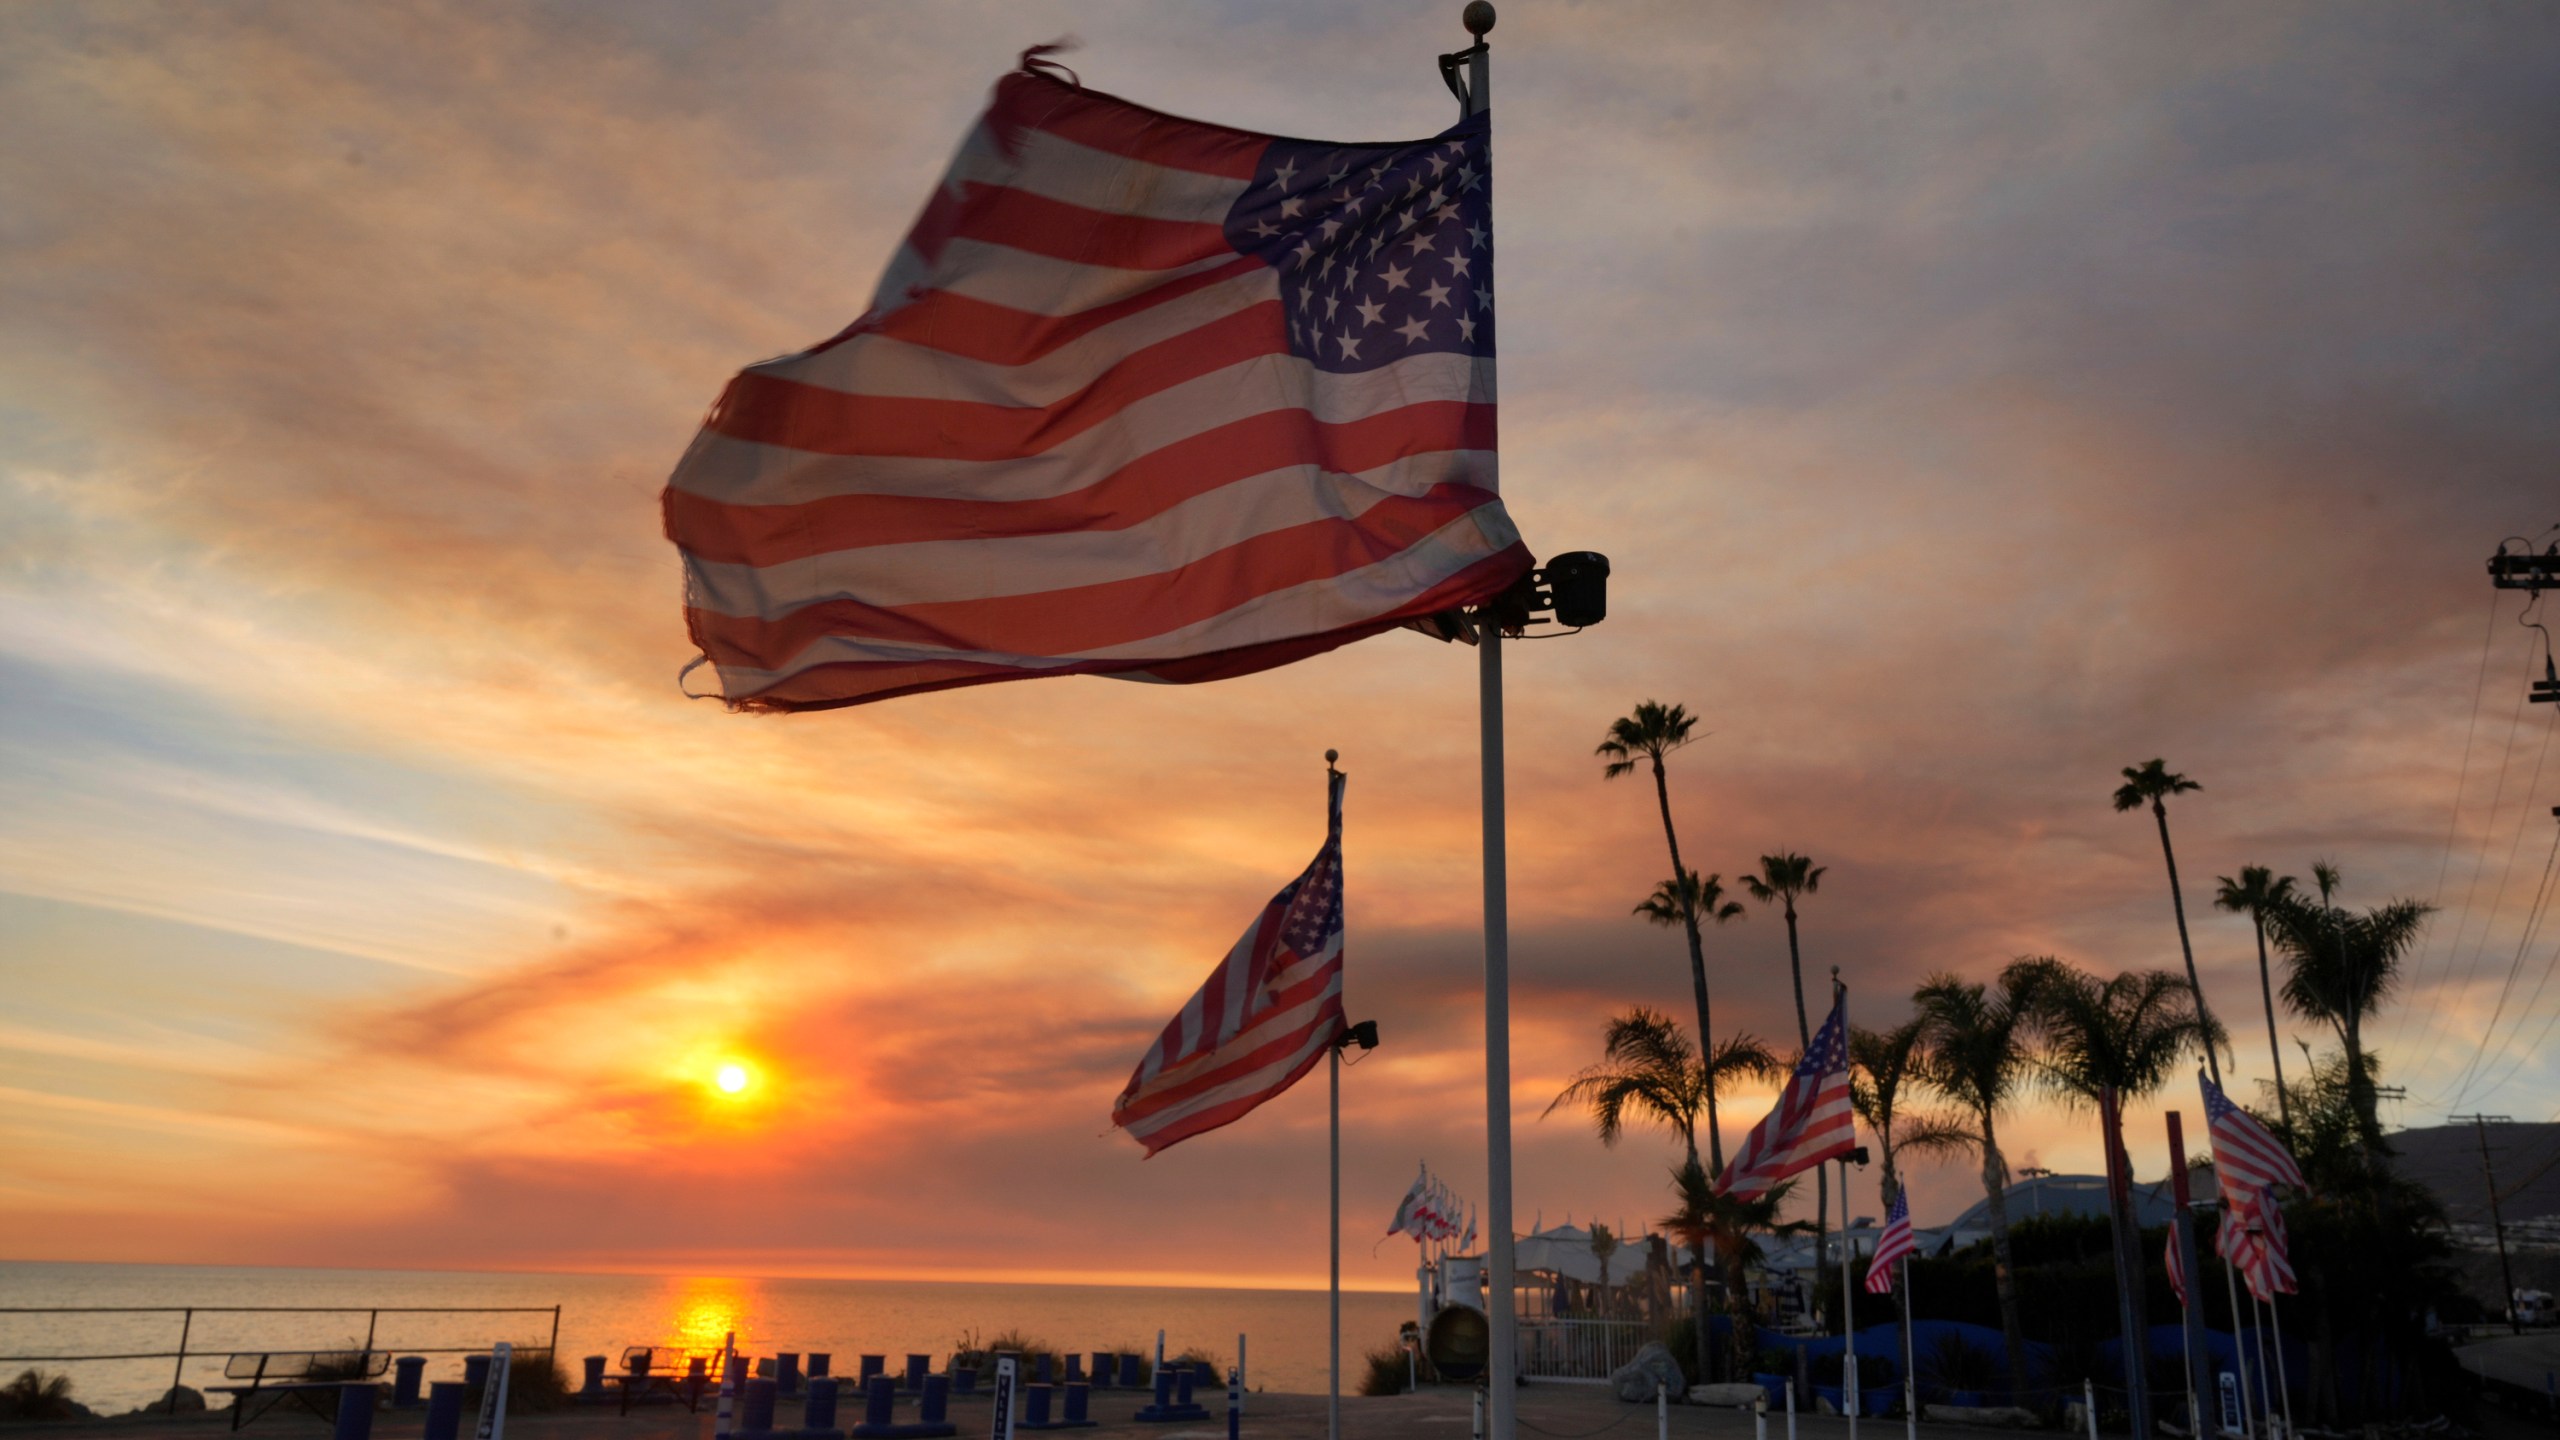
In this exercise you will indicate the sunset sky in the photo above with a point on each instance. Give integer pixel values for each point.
(1974, 399)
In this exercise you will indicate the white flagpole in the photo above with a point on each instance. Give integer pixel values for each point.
(1849, 1387)
(2239, 1356)
(1333, 1299)
(1910, 1379)
(2284, 1387)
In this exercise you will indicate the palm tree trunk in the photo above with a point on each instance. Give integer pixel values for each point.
(2134, 1334)
(1995, 1190)
(1697, 965)
(2178, 902)
(2266, 992)
(1804, 1038)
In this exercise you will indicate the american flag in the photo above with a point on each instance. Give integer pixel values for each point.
(2246, 1155)
(1139, 396)
(2253, 1239)
(1262, 1019)
(1810, 1123)
(2177, 1268)
(1895, 1243)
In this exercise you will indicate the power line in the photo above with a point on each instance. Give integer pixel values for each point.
(2532, 923)
(2497, 902)
(2453, 948)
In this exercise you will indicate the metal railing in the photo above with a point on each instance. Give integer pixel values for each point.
(187, 1323)
(1578, 1350)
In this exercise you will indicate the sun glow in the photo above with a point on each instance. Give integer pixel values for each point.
(732, 1079)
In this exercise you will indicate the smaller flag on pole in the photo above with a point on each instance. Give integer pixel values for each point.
(1892, 1246)
(1810, 1123)
(1409, 1209)
(2246, 1154)
(2177, 1268)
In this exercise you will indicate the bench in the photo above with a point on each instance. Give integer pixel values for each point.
(309, 1378)
(666, 1370)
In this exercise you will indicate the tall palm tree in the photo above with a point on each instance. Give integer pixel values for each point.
(1729, 1229)
(1976, 1041)
(1782, 878)
(1684, 900)
(2105, 1042)
(2340, 966)
(1650, 1072)
(1884, 1065)
(2153, 781)
(2257, 891)
(1604, 1244)
(1651, 732)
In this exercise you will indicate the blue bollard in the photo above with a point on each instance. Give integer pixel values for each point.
(1235, 1404)
(755, 1413)
(406, 1373)
(591, 1381)
(964, 1379)
(475, 1370)
(821, 1364)
(937, 1404)
(918, 1366)
(879, 1402)
(818, 1417)
(1182, 1378)
(870, 1365)
(444, 1410)
(1164, 1387)
(355, 1413)
(1079, 1404)
(786, 1372)
(1129, 1377)
(1041, 1366)
(1075, 1368)
(1035, 1407)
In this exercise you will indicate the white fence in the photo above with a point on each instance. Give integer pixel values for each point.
(1585, 1350)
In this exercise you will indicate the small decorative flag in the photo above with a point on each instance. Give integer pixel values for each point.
(2177, 1268)
(1892, 1246)
(1262, 1019)
(1810, 1123)
(1409, 1209)
(1468, 1242)
(1139, 396)
(2246, 1154)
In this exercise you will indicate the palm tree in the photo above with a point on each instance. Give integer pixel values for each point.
(1782, 878)
(1684, 900)
(1883, 1064)
(2339, 967)
(2154, 782)
(1649, 1071)
(1603, 1245)
(1728, 1228)
(2106, 1042)
(2257, 891)
(1646, 736)
(1976, 1057)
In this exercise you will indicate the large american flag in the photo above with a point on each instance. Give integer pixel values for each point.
(1139, 395)
(2246, 1155)
(2253, 1239)
(1810, 1123)
(1262, 1019)
(1892, 1246)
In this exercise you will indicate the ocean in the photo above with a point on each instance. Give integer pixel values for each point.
(601, 1314)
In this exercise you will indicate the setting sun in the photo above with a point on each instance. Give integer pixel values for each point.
(732, 1079)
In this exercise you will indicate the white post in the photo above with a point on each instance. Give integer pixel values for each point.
(1501, 1304)
(1243, 1376)
(1661, 1411)
(1910, 1380)
(2089, 1405)
(1159, 1349)
(1333, 1297)
(493, 1393)
(2284, 1387)
(1791, 1408)
(1760, 1417)
(2239, 1356)
(728, 1384)
(1849, 1386)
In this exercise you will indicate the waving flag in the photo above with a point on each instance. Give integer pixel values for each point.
(1810, 1123)
(1263, 1018)
(2177, 1268)
(2253, 1239)
(1892, 1246)
(2246, 1155)
(1408, 1210)
(1139, 396)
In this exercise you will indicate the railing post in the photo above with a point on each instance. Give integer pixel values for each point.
(555, 1332)
(372, 1323)
(186, 1327)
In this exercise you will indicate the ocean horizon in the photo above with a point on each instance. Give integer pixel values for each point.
(600, 1313)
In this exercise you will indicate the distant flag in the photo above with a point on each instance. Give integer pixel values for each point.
(1810, 1123)
(2177, 1268)
(1408, 1210)
(2253, 1239)
(2246, 1155)
(1469, 1242)
(1895, 1243)
(1138, 396)
(1262, 1019)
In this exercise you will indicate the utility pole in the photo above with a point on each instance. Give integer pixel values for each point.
(2506, 1274)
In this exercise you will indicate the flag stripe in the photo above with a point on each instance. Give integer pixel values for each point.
(1038, 102)
(1037, 225)
(1058, 168)
(979, 328)
(743, 472)
(1076, 619)
(774, 411)
(1407, 453)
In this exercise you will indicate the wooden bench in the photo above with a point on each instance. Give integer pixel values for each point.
(666, 1370)
(303, 1377)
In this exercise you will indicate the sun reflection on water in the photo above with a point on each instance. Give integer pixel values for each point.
(706, 1309)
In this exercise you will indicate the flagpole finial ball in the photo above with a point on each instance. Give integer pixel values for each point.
(1332, 755)
(1477, 17)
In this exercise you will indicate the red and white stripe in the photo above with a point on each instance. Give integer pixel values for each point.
(1894, 1246)
(1070, 437)
(2253, 1239)
(1811, 1122)
(2246, 1154)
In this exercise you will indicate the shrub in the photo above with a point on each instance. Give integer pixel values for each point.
(535, 1382)
(35, 1395)
(980, 1354)
(1774, 1361)
(1383, 1371)
(1873, 1370)
(1953, 1363)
